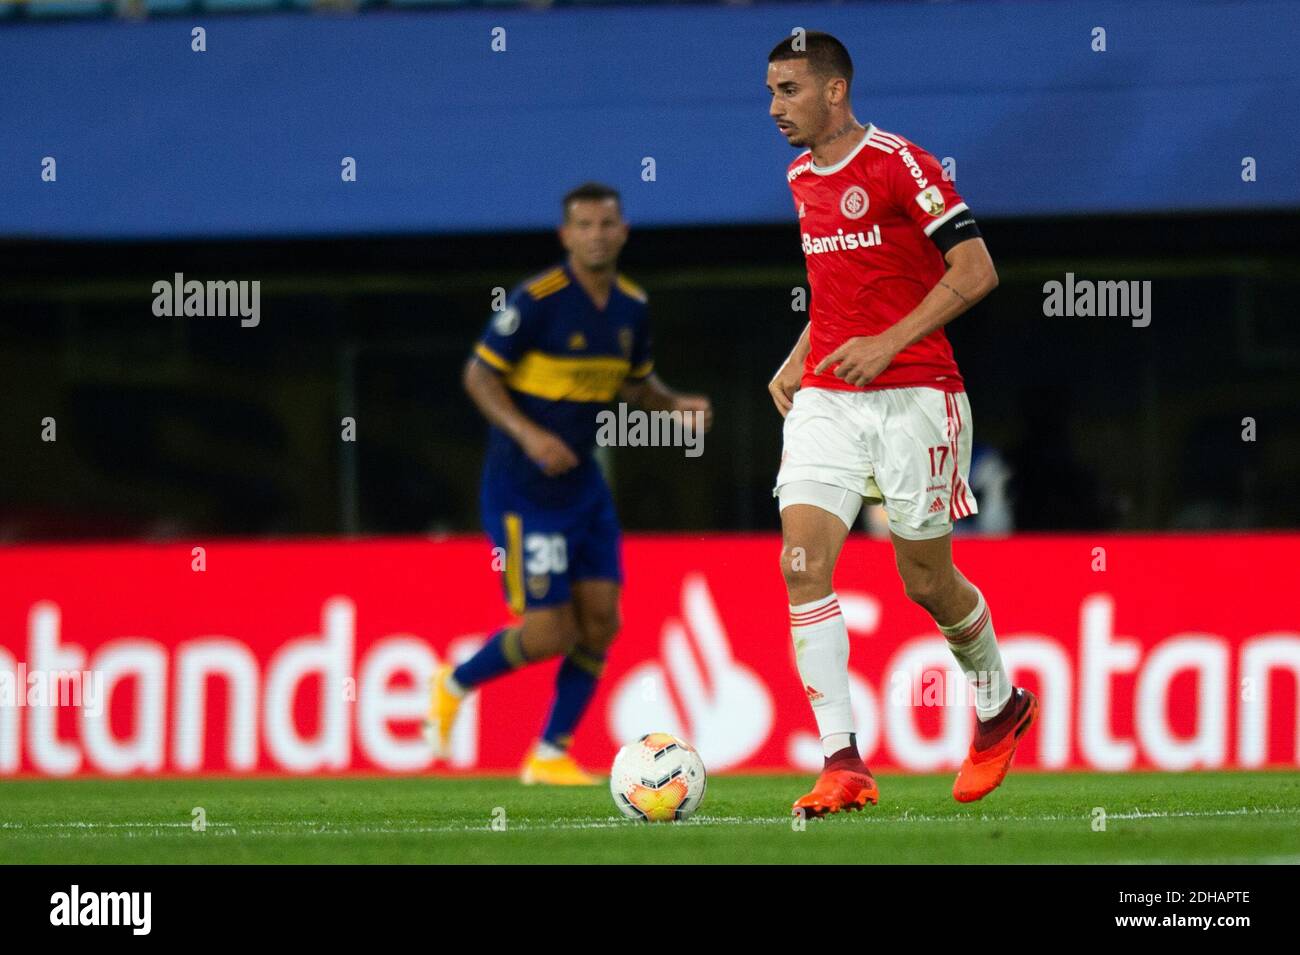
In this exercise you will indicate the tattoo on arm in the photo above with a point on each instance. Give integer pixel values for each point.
(954, 291)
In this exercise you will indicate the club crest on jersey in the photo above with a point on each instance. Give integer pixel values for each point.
(854, 202)
(931, 200)
(577, 341)
(506, 322)
(625, 341)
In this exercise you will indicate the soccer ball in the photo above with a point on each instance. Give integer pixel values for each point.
(658, 778)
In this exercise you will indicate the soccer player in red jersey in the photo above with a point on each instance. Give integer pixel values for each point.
(875, 408)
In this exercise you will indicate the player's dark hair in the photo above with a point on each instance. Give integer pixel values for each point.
(591, 190)
(826, 56)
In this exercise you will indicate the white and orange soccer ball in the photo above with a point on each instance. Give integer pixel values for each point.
(658, 778)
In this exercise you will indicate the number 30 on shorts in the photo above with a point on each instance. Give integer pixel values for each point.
(546, 554)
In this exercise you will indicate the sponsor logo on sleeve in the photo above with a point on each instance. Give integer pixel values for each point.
(507, 322)
(913, 168)
(931, 200)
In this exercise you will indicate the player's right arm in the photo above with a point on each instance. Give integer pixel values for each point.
(544, 448)
(506, 339)
(786, 380)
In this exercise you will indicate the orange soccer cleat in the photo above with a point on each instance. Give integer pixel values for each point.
(560, 770)
(844, 784)
(990, 754)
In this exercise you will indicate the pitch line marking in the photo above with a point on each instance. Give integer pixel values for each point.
(419, 827)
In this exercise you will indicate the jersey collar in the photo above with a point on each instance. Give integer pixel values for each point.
(828, 170)
(585, 295)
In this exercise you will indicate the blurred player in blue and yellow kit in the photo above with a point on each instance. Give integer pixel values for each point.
(569, 341)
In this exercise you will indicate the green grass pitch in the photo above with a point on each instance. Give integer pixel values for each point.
(1154, 818)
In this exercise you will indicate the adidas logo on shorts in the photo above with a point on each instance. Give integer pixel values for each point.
(937, 506)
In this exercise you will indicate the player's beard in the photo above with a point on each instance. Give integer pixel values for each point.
(823, 126)
(802, 140)
(602, 262)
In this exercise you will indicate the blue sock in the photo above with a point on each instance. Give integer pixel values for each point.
(575, 683)
(503, 652)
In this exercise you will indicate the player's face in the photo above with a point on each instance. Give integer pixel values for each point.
(798, 101)
(594, 232)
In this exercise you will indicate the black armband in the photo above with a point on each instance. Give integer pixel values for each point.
(959, 228)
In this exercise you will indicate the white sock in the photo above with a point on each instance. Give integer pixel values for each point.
(821, 649)
(976, 648)
(547, 750)
(835, 742)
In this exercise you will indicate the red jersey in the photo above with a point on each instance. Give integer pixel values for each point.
(865, 223)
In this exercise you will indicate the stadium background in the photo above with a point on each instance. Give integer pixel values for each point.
(182, 433)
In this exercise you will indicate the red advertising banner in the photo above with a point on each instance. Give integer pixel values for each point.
(1160, 652)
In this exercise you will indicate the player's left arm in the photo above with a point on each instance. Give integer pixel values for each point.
(969, 278)
(936, 208)
(644, 388)
(652, 394)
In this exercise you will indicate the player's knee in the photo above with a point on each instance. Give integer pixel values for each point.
(599, 630)
(927, 587)
(805, 568)
(567, 638)
(551, 638)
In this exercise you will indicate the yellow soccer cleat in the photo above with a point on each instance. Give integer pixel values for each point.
(559, 771)
(443, 707)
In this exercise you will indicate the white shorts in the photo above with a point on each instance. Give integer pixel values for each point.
(908, 448)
